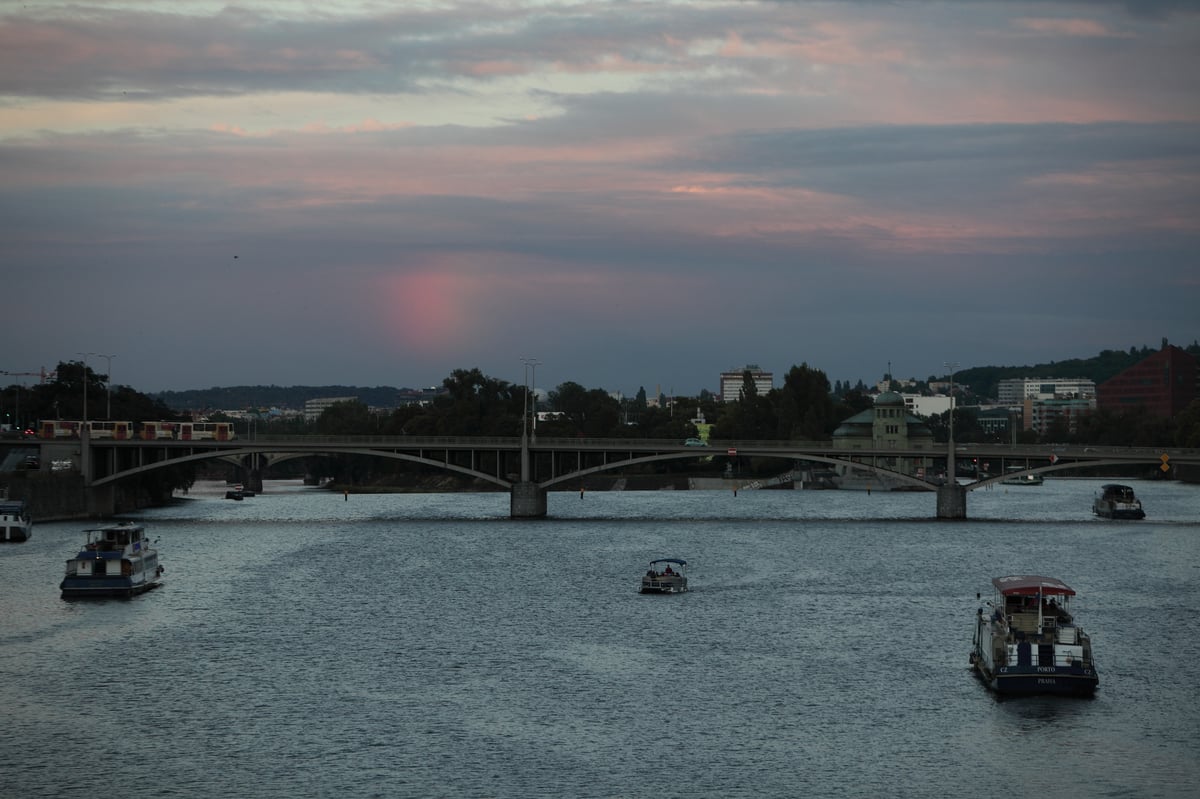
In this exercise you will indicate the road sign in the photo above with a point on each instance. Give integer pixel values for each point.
(1166, 467)
(732, 451)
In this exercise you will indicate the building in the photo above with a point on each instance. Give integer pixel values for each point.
(998, 423)
(926, 406)
(1014, 391)
(1040, 415)
(733, 380)
(313, 408)
(1163, 384)
(419, 396)
(887, 425)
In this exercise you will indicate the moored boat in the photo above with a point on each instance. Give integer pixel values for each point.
(15, 522)
(116, 560)
(1118, 502)
(1015, 478)
(1027, 641)
(665, 576)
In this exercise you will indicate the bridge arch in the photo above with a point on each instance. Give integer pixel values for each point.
(1057, 467)
(235, 456)
(915, 482)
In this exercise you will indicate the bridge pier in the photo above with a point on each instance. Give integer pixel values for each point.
(952, 501)
(100, 502)
(527, 501)
(252, 480)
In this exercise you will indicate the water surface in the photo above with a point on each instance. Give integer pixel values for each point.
(428, 645)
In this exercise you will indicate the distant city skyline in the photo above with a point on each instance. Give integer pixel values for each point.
(637, 194)
(778, 375)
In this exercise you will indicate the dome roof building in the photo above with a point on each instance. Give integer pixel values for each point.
(887, 425)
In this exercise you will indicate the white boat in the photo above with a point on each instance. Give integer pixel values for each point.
(1015, 478)
(1027, 642)
(1118, 502)
(665, 576)
(15, 521)
(116, 560)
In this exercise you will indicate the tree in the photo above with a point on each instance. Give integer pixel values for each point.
(806, 407)
(1187, 426)
(589, 413)
(345, 419)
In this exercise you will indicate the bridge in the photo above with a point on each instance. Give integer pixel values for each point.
(530, 466)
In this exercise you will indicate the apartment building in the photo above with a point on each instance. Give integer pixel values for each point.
(1015, 390)
(733, 380)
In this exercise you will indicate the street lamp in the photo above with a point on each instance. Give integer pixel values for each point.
(951, 465)
(531, 365)
(85, 382)
(107, 384)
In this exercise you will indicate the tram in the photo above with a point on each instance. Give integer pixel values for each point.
(146, 431)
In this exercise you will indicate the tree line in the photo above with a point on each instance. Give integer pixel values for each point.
(804, 408)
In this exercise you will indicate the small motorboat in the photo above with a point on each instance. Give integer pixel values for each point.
(1118, 502)
(1017, 476)
(665, 576)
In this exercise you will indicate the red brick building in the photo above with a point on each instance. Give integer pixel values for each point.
(1163, 383)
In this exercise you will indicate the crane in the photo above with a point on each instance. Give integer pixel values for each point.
(43, 374)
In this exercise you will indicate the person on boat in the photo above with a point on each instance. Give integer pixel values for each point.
(668, 571)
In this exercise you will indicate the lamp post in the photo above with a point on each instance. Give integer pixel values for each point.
(531, 365)
(107, 384)
(951, 465)
(85, 382)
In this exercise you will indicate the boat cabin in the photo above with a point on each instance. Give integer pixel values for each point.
(116, 538)
(1034, 605)
(665, 576)
(1117, 493)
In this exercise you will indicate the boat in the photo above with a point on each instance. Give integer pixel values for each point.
(1027, 641)
(1118, 502)
(665, 576)
(15, 521)
(1015, 478)
(116, 560)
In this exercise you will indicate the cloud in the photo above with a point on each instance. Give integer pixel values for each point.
(642, 192)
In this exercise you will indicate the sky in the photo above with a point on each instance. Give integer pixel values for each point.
(628, 194)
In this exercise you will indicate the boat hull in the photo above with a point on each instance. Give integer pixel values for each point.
(14, 533)
(663, 585)
(85, 587)
(1040, 681)
(1120, 513)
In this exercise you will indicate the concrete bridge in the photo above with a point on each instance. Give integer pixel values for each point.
(529, 466)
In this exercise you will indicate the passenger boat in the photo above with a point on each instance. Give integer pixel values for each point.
(1027, 642)
(1118, 502)
(665, 576)
(1014, 478)
(15, 521)
(116, 560)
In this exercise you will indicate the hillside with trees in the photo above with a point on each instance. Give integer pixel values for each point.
(984, 381)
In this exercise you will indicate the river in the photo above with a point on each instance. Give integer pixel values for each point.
(417, 645)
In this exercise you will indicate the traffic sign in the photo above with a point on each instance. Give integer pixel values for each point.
(1166, 467)
(732, 451)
